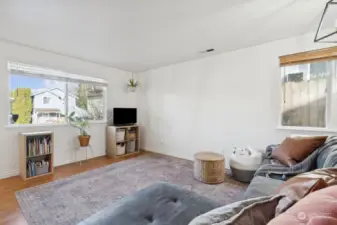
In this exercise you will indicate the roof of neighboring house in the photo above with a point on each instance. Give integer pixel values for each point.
(43, 90)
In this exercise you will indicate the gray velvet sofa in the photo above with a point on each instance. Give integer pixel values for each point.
(272, 173)
(167, 204)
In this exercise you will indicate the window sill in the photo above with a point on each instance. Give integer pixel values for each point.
(311, 129)
(14, 126)
(33, 125)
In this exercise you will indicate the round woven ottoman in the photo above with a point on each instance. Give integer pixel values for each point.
(209, 167)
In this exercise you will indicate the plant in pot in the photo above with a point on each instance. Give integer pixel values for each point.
(133, 84)
(82, 124)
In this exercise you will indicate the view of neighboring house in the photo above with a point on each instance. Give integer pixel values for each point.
(48, 105)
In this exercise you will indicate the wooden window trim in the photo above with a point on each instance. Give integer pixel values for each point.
(324, 54)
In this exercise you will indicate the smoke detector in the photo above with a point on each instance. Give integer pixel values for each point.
(208, 50)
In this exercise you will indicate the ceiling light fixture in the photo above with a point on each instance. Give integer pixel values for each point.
(331, 35)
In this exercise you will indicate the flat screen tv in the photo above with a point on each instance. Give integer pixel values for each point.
(124, 116)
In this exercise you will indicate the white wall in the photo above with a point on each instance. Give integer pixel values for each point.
(65, 136)
(215, 103)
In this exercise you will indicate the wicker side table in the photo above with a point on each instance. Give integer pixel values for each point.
(209, 167)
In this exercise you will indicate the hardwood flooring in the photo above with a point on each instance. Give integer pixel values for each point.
(10, 213)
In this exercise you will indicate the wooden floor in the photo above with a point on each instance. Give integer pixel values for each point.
(10, 213)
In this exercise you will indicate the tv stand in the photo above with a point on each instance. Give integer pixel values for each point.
(125, 125)
(123, 140)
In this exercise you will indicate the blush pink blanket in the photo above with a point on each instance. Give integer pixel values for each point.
(318, 208)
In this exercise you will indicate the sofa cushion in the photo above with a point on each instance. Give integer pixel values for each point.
(257, 211)
(299, 183)
(298, 187)
(317, 208)
(262, 186)
(158, 204)
(327, 157)
(294, 150)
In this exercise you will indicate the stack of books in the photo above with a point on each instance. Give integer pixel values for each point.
(35, 168)
(38, 146)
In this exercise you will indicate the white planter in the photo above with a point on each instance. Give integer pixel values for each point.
(132, 89)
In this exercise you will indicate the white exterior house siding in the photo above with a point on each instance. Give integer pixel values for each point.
(55, 104)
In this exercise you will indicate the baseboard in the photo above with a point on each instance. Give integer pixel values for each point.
(178, 156)
(14, 173)
(9, 174)
(163, 153)
(69, 161)
(145, 150)
(17, 172)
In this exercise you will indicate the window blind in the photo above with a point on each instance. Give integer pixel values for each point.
(22, 68)
(319, 55)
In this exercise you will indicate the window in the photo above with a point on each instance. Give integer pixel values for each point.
(309, 94)
(87, 100)
(46, 100)
(43, 96)
(53, 114)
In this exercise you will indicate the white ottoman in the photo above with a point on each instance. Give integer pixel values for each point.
(244, 163)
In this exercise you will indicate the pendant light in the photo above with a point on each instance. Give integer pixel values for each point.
(327, 29)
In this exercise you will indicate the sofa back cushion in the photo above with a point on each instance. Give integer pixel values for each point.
(262, 186)
(301, 185)
(294, 150)
(327, 157)
(257, 211)
(317, 208)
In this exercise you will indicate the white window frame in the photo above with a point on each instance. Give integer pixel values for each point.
(330, 89)
(51, 74)
(46, 102)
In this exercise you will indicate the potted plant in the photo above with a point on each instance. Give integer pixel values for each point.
(82, 124)
(133, 84)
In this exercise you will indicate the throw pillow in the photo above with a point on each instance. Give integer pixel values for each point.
(317, 208)
(301, 185)
(294, 150)
(257, 211)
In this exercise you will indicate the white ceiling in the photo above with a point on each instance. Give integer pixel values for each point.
(136, 35)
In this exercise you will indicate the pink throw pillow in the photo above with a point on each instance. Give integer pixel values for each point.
(318, 208)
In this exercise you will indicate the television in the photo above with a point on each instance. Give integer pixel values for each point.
(124, 116)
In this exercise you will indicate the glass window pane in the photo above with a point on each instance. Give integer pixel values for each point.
(86, 100)
(46, 100)
(33, 98)
(305, 94)
(333, 99)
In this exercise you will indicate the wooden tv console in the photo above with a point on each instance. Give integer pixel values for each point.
(123, 140)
